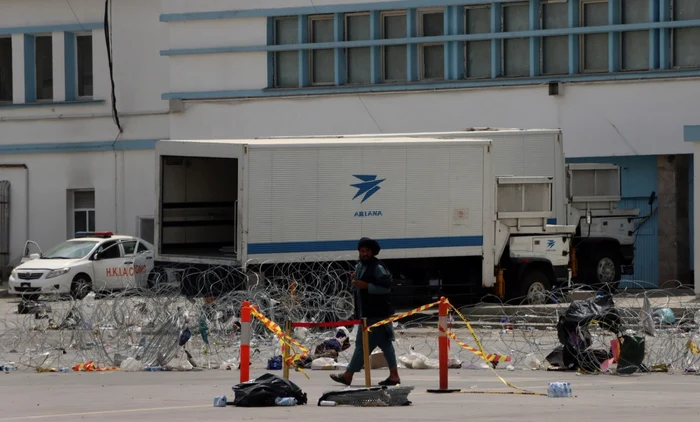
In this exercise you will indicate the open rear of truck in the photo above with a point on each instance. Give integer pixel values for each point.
(253, 203)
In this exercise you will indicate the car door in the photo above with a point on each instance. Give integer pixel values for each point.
(130, 257)
(143, 264)
(108, 265)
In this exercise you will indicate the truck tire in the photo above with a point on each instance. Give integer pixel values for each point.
(535, 288)
(606, 269)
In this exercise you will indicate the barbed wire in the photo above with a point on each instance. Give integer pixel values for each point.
(189, 318)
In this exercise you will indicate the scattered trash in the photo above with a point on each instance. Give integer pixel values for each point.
(220, 401)
(323, 364)
(418, 361)
(369, 397)
(327, 403)
(285, 401)
(265, 390)
(274, 363)
(8, 368)
(665, 316)
(559, 389)
(130, 365)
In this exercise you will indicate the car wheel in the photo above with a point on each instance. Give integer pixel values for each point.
(80, 287)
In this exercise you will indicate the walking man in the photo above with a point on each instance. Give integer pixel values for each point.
(372, 286)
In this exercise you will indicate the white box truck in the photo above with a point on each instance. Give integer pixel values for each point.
(435, 205)
(585, 195)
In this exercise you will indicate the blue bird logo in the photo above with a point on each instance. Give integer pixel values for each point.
(550, 244)
(368, 186)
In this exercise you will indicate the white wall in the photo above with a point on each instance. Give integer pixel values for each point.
(601, 119)
(140, 73)
(51, 175)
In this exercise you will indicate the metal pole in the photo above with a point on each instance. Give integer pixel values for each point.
(285, 350)
(365, 347)
(245, 342)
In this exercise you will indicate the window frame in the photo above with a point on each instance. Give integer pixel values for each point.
(582, 39)
(77, 67)
(275, 62)
(672, 40)
(382, 15)
(421, 47)
(542, 50)
(465, 48)
(36, 67)
(346, 51)
(505, 40)
(12, 79)
(310, 33)
(621, 43)
(84, 211)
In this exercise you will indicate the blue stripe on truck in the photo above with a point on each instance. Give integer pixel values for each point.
(551, 221)
(351, 245)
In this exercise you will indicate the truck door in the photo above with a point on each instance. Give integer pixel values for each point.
(108, 265)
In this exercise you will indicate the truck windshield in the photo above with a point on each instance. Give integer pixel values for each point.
(71, 249)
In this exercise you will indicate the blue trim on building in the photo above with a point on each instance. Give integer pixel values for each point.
(349, 89)
(494, 36)
(375, 24)
(413, 70)
(351, 245)
(496, 42)
(316, 10)
(75, 103)
(573, 38)
(614, 37)
(654, 35)
(73, 27)
(535, 41)
(71, 63)
(338, 53)
(125, 145)
(665, 35)
(303, 61)
(29, 69)
(691, 133)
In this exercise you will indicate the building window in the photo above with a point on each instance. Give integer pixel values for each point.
(84, 49)
(83, 210)
(394, 67)
(146, 228)
(6, 70)
(322, 61)
(43, 62)
(358, 62)
(286, 64)
(516, 51)
(555, 49)
(432, 55)
(594, 47)
(477, 54)
(634, 45)
(686, 41)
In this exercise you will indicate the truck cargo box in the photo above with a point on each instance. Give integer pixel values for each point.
(277, 200)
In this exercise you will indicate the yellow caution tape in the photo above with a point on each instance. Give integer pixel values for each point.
(284, 340)
(398, 317)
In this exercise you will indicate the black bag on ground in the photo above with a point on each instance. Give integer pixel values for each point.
(631, 355)
(262, 391)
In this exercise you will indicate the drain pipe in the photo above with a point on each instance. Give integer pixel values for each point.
(26, 186)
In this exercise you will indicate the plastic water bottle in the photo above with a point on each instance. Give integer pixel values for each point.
(285, 401)
(8, 368)
(559, 389)
(64, 370)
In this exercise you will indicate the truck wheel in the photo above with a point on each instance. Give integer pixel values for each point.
(608, 272)
(80, 287)
(535, 288)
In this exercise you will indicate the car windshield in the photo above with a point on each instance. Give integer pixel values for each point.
(71, 249)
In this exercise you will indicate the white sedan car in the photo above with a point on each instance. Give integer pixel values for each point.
(93, 261)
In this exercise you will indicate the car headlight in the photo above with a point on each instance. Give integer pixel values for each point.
(57, 273)
(13, 274)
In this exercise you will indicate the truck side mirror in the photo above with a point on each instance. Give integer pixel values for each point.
(589, 217)
(652, 197)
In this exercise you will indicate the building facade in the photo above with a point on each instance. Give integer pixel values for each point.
(619, 77)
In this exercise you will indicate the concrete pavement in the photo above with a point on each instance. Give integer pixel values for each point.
(153, 396)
